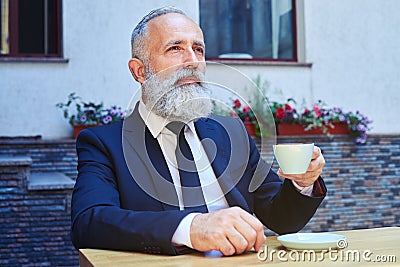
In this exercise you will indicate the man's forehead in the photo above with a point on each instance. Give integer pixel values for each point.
(174, 23)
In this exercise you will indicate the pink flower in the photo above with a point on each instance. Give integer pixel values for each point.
(237, 103)
(234, 114)
(246, 109)
(317, 111)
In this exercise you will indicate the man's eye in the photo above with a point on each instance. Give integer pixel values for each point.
(199, 50)
(174, 48)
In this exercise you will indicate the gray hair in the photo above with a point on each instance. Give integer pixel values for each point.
(139, 33)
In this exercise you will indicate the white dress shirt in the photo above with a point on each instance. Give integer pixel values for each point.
(212, 192)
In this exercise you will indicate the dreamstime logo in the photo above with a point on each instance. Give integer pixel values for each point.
(342, 244)
(340, 253)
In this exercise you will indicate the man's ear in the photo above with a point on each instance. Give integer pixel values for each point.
(137, 69)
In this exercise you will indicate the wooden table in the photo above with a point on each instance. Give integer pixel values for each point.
(372, 245)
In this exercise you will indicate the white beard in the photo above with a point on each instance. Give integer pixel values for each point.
(174, 102)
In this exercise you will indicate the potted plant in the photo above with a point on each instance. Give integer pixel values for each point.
(246, 114)
(319, 120)
(88, 114)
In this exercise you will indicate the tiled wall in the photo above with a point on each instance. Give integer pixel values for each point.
(363, 184)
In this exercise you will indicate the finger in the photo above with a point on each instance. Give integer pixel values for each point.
(280, 173)
(257, 226)
(296, 177)
(228, 229)
(260, 241)
(225, 246)
(311, 174)
(290, 176)
(247, 231)
(206, 233)
(316, 152)
(303, 180)
(244, 224)
(237, 240)
(317, 164)
(314, 165)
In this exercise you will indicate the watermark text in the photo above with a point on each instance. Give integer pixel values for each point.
(338, 254)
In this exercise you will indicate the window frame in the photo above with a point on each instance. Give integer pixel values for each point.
(14, 31)
(296, 47)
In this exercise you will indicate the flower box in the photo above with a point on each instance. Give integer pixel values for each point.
(287, 128)
(245, 113)
(290, 122)
(251, 128)
(88, 114)
(317, 120)
(79, 127)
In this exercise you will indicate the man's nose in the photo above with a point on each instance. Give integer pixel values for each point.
(191, 60)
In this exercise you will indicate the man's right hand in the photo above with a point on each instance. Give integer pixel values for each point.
(230, 231)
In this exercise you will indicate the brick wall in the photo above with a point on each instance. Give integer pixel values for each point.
(47, 155)
(363, 184)
(35, 224)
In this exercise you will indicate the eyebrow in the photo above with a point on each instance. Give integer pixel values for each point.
(177, 42)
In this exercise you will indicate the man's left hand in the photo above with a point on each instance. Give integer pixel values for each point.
(313, 172)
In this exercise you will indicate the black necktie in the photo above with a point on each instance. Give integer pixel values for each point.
(192, 193)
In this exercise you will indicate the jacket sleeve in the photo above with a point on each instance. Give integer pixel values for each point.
(98, 221)
(277, 204)
(288, 211)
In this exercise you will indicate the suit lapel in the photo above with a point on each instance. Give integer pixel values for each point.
(150, 171)
(146, 162)
(218, 146)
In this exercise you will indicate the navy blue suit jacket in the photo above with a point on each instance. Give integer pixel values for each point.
(122, 176)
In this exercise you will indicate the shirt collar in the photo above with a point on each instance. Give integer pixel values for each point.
(155, 123)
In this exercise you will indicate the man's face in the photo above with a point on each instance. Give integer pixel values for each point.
(174, 69)
(175, 42)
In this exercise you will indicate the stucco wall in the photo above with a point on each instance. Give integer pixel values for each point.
(351, 45)
(97, 44)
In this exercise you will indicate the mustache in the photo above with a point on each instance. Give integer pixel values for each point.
(172, 98)
(173, 81)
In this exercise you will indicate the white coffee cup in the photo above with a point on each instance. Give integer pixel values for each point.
(293, 158)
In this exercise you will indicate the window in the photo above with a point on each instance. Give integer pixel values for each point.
(30, 28)
(249, 29)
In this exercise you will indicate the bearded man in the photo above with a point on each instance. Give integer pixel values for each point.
(171, 178)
